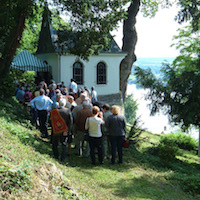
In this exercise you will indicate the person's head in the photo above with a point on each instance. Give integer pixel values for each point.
(98, 104)
(95, 110)
(64, 91)
(62, 102)
(52, 81)
(82, 97)
(42, 92)
(70, 99)
(57, 91)
(106, 107)
(47, 92)
(115, 110)
(86, 88)
(70, 90)
(58, 97)
(92, 88)
(85, 104)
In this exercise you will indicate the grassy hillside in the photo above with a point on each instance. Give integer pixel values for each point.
(28, 171)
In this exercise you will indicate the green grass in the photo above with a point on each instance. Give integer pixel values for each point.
(28, 171)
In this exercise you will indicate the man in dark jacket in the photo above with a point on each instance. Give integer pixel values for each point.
(65, 115)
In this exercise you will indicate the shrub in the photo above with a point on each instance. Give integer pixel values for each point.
(7, 87)
(182, 140)
(130, 107)
(166, 150)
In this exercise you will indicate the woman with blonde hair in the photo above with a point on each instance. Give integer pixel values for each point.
(116, 129)
(93, 125)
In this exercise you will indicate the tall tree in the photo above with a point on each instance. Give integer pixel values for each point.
(12, 23)
(92, 20)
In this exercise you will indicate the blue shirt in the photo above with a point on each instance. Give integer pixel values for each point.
(41, 102)
(20, 95)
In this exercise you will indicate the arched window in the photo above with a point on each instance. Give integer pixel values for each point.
(78, 73)
(101, 73)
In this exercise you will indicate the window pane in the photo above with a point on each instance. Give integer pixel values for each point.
(101, 73)
(78, 72)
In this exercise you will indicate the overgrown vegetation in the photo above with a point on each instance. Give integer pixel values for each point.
(7, 89)
(28, 171)
(130, 108)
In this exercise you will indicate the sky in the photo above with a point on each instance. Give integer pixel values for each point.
(154, 34)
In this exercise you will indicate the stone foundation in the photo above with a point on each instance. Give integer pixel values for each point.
(111, 99)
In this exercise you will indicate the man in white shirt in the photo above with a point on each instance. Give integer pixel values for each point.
(93, 95)
(73, 86)
(43, 104)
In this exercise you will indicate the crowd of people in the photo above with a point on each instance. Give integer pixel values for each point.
(75, 116)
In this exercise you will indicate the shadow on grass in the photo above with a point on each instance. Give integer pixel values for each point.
(146, 187)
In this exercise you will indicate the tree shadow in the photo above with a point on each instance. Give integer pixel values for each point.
(146, 187)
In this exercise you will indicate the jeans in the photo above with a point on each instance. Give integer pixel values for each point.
(96, 142)
(116, 145)
(56, 138)
(106, 146)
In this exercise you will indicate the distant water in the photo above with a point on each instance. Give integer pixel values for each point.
(155, 64)
(158, 123)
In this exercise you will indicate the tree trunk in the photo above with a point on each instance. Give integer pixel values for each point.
(129, 43)
(14, 36)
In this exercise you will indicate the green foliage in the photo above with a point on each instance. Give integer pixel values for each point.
(7, 86)
(32, 28)
(130, 107)
(182, 140)
(166, 150)
(29, 78)
(13, 178)
(191, 184)
(189, 11)
(135, 131)
(14, 112)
